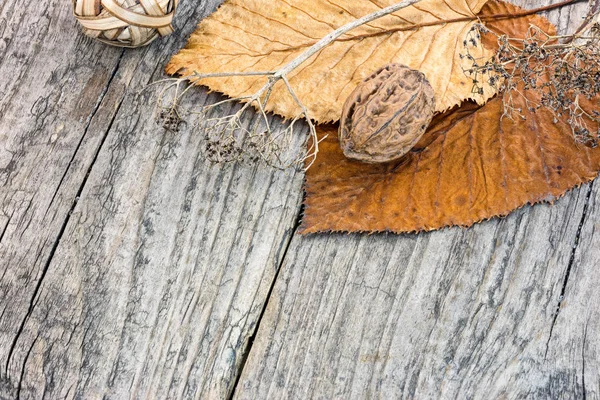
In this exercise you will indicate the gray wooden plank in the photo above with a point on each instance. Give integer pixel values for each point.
(161, 274)
(57, 93)
(505, 309)
(129, 267)
(453, 314)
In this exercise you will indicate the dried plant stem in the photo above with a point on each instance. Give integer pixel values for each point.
(492, 17)
(482, 18)
(592, 17)
(315, 48)
(228, 125)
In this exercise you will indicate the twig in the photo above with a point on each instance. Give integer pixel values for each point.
(481, 18)
(592, 17)
(226, 127)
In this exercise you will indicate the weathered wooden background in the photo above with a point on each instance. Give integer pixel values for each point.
(132, 268)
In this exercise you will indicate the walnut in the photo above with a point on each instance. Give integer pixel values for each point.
(387, 113)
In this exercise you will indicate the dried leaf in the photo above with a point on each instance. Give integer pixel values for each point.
(476, 167)
(471, 165)
(264, 35)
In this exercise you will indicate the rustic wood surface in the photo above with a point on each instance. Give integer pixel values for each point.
(132, 268)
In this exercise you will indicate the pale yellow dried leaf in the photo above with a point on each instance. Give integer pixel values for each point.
(264, 35)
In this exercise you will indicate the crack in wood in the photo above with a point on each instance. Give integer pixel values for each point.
(286, 244)
(86, 128)
(67, 218)
(5, 228)
(570, 264)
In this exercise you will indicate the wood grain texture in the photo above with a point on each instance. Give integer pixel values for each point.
(452, 314)
(506, 309)
(129, 267)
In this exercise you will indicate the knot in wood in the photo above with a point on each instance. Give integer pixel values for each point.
(387, 113)
(125, 23)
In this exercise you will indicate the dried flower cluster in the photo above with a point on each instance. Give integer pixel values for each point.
(559, 69)
(231, 138)
(241, 133)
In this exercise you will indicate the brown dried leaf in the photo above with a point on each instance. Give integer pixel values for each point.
(476, 167)
(471, 165)
(264, 35)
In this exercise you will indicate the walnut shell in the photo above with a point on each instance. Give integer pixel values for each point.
(387, 113)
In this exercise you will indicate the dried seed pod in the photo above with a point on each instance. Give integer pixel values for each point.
(385, 116)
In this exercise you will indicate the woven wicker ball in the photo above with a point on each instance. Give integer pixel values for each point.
(125, 23)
